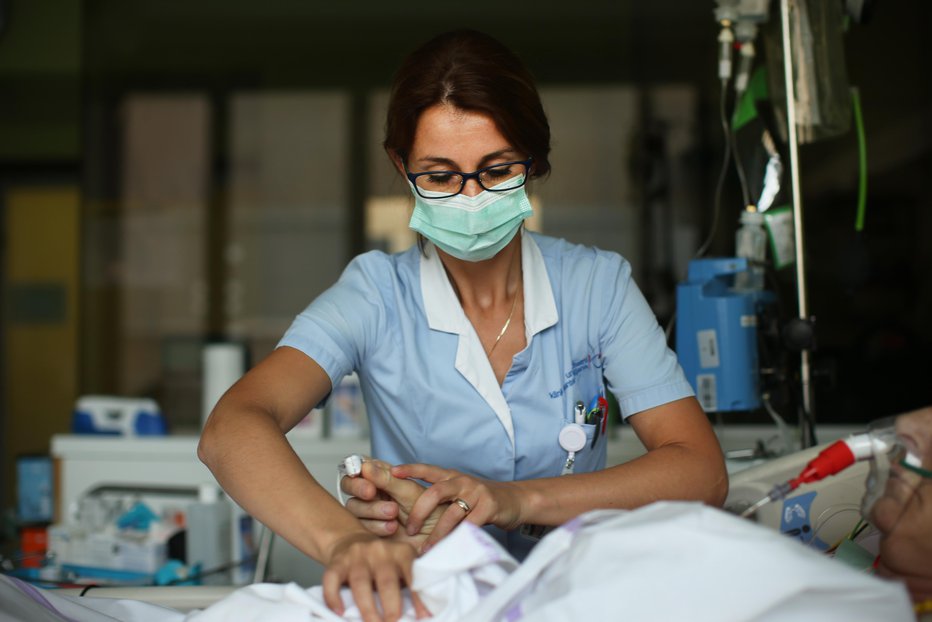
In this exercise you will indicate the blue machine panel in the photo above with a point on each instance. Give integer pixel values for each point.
(716, 335)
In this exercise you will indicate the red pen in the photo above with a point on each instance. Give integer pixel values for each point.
(603, 406)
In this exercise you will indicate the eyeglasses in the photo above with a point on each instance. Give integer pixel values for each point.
(495, 178)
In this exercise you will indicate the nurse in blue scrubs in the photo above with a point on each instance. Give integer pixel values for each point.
(473, 350)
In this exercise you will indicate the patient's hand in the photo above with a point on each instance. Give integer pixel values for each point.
(383, 502)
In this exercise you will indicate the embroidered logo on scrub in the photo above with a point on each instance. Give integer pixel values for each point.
(593, 361)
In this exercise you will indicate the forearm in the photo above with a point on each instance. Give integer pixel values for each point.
(672, 471)
(255, 464)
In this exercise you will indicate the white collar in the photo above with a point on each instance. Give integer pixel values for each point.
(445, 313)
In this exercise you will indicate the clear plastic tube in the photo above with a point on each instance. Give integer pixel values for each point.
(879, 444)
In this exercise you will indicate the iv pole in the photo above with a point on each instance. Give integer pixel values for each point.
(806, 422)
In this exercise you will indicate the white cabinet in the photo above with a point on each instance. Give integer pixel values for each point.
(87, 463)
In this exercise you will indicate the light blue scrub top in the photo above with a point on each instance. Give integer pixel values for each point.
(430, 393)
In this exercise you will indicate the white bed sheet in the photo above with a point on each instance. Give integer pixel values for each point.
(667, 561)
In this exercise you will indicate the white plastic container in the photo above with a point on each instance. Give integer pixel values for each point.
(751, 243)
(208, 540)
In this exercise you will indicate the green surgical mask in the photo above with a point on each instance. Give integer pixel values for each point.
(471, 228)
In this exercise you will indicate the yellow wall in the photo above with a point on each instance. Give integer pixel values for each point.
(41, 319)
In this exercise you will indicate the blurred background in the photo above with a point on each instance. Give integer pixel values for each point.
(174, 173)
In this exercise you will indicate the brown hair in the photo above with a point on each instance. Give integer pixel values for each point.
(471, 71)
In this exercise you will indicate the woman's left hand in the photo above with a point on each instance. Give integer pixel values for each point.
(486, 502)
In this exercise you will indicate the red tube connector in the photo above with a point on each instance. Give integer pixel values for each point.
(831, 460)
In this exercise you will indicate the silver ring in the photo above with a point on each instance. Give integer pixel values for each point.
(463, 505)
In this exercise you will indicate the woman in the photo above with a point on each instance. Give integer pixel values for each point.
(473, 350)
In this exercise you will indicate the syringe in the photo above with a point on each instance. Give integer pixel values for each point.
(835, 458)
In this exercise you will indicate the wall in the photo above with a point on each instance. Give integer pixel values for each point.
(872, 298)
(40, 145)
(40, 74)
(40, 347)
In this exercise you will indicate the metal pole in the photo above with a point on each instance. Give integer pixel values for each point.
(804, 371)
(264, 555)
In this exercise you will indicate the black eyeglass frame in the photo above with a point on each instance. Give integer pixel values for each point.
(412, 177)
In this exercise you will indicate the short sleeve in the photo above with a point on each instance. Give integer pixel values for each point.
(641, 371)
(339, 327)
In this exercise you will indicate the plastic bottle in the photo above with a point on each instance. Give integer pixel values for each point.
(751, 243)
(208, 540)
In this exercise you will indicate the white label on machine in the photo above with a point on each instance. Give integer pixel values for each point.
(748, 321)
(705, 392)
(708, 348)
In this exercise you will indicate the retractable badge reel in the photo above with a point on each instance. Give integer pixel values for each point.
(572, 439)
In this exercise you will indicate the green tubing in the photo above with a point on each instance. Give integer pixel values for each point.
(862, 160)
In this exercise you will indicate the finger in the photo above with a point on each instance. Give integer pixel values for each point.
(377, 472)
(420, 609)
(425, 472)
(380, 474)
(331, 583)
(360, 582)
(358, 487)
(449, 520)
(376, 510)
(426, 503)
(389, 591)
(404, 491)
(381, 528)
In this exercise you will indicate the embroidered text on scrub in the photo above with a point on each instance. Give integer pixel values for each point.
(594, 361)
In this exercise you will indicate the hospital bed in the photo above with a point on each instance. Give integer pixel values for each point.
(184, 598)
(819, 514)
(829, 511)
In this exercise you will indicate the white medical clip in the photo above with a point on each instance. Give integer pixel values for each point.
(351, 466)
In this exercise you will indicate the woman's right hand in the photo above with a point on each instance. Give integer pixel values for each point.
(370, 564)
(383, 502)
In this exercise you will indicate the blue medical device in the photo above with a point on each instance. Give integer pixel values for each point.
(716, 334)
(118, 416)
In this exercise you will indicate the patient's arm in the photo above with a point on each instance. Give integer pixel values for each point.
(404, 492)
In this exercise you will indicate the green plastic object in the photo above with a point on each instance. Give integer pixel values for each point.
(746, 110)
(862, 160)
